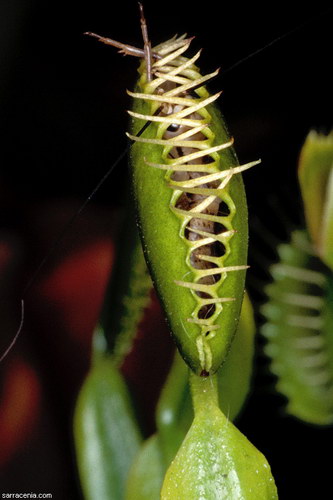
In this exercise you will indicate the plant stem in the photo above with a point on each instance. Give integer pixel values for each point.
(204, 392)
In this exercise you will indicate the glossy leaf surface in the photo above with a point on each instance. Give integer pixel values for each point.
(216, 461)
(146, 475)
(106, 434)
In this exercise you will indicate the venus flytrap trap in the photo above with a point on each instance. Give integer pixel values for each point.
(191, 205)
(299, 312)
(298, 330)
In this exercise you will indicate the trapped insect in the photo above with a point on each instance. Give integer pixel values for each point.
(190, 199)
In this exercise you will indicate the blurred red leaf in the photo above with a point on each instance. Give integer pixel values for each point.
(19, 406)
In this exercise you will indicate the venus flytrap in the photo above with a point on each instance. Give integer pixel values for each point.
(298, 329)
(192, 216)
(191, 205)
(299, 312)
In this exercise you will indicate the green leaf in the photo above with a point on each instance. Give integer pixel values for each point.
(315, 177)
(106, 435)
(174, 410)
(215, 461)
(146, 475)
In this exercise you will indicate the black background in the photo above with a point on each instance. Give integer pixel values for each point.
(63, 122)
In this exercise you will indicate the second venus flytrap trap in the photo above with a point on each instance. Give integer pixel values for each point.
(192, 216)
